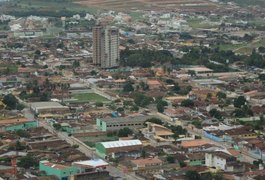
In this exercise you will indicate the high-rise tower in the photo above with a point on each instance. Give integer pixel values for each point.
(106, 47)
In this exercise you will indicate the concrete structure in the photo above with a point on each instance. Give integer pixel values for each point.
(48, 107)
(115, 149)
(106, 46)
(115, 124)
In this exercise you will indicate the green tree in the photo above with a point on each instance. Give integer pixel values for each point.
(240, 101)
(125, 132)
(10, 101)
(99, 104)
(170, 159)
(57, 126)
(193, 175)
(155, 120)
(128, 87)
(23, 133)
(187, 103)
(161, 106)
(27, 162)
(216, 114)
(220, 95)
(76, 64)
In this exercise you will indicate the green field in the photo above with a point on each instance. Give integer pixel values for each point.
(245, 3)
(89, 97)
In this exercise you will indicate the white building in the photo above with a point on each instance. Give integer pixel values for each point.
(219, 160)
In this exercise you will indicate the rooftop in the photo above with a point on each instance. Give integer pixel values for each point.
(126, 119)
(44, 105)
(146, 161)
(194, 143)
(92, 163)
(123, 143)
(55, 166)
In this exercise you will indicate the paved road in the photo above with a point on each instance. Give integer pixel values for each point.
(88, 151)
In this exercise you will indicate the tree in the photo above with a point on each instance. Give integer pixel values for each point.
(160, 107)
(57, 126)
(155, 120)
(125, 132)
(99, 104)
(197, 124)
(240, 101)
(27, 162)
(128, 87)
(76, 64)
(215, 113)
(187, 103)
(221, 95)
(170, 159)
(182, 164)
(10, 101)
(193, 175)
(23, 133)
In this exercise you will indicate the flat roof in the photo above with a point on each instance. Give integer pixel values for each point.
(126, 119)
(47, 105)
(123, 143)
(92, 163)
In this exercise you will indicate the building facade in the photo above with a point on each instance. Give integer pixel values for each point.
(115, 124)
(106, 46)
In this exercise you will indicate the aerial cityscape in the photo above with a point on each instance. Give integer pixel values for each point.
(132, 89)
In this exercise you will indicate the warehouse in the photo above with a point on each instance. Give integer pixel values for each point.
(116, 149)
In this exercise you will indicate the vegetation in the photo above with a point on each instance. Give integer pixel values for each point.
(155, 120)
(11, 102)
(187, 103)
(125, 132)
(141, 100)
(27, 162)
(89, 97)
(170, 159)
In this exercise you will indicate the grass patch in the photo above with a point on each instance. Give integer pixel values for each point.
(89, 97)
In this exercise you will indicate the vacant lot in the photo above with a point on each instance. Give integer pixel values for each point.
(89, 97)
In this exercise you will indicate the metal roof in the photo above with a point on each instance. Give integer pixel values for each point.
(123, 143)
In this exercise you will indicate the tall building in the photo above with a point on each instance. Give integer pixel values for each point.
(98, 45)
(106, 46)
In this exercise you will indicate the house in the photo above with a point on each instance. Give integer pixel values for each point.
(195, 145)
(61, 171)
(140, 164)
(196, 159)
(220, 160)
(154, 84)
(15, 124)
(158, 135)
(116, 149)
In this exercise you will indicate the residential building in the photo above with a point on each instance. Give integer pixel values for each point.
(115, 124)
(112, 42)
(115, 149)
(106, 46)
(61, 171)
(219, 160)
(195, 145)
(196, 159)
(98, 45)
(17, 124)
